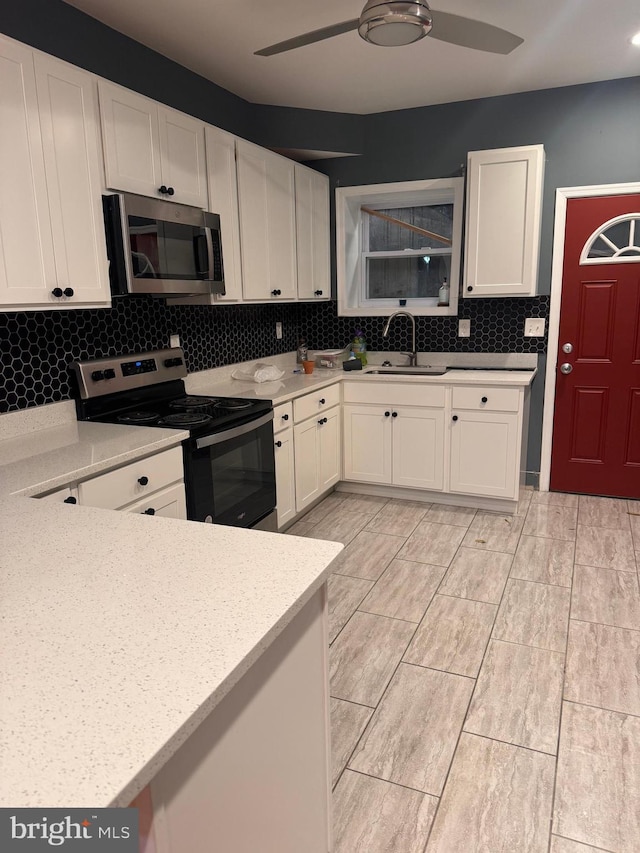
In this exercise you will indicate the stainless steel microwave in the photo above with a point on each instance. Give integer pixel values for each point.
(162, 248)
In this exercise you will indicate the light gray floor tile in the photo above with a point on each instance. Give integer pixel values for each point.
(524, 500)
(322, 510)
(443, 514)
(301, 528)
(634, 520)
(453, 635)
(492, 532)
(345, 594)
(362, 503)
(413, 733)
(348, 721)
(603, 667)
(534, 614)
(544, 560)
(609, 549)
(368, 555)
(565, 845)
(372, 816)
(606, 596)
(340, 526)
(365, 655)
(497, 800)
(432, 543)
(603, 512)
(398, 517)
(404, 591)
(518, 696)
(598, 784)
(480, 575)
(551, 521)
(554, 498)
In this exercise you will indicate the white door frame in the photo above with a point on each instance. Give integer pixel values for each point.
(562, 194)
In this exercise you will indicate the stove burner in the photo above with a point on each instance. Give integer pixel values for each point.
(192, 402)
(186, 419)
(138, 418)
(233, 404)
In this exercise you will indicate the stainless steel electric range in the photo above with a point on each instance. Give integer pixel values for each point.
(229, 462)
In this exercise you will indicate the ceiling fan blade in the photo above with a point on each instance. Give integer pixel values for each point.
(475, 34)
(310, 38)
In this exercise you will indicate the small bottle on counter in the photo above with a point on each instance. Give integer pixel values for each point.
(443, 293)
(359, 347)
(303, 351)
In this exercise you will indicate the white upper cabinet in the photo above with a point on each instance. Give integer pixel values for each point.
(504, 201)
(266, 196)
(223, 196)
(312, 233)
(52, 250)
(151, 149)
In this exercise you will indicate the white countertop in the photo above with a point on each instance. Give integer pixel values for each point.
(48, 459)
(120, 633)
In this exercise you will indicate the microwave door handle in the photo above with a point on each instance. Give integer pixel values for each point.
(208, 237)
(234, 432)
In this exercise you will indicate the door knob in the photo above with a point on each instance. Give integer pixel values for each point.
(566, 368)
(567, 348)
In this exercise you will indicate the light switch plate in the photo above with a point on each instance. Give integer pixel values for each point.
(534, 327)
(279, 331)
(464, 328)
(174, 340)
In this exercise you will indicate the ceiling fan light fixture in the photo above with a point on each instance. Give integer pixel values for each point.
(394, 23)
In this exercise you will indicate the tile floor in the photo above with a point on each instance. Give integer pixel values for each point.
(485, 675)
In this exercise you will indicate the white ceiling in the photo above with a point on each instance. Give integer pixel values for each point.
(566, 42)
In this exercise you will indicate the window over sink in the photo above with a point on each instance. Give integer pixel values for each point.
(397, 244)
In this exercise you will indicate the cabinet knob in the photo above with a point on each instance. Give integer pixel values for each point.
(170, 191)
(144, 481)
(276, 292)
(317, 293)
(394, 414)
(70, 500)
(162, 190)
(322, 420)
(454, 418)
(285, 417)
(469, 287)
(278, 444)
(387, 414)
(57, 292)
(485, 400)
(322, 401)
(68, 291)
(150, 511)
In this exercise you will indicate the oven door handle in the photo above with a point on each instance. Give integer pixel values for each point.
(218, 438)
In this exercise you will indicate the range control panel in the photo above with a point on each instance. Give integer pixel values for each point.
(122, 373)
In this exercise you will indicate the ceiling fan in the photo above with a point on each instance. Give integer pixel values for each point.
(398, 22)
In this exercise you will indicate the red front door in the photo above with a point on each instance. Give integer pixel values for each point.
(596, 427)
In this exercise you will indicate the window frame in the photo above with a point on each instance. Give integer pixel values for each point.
(351, 255)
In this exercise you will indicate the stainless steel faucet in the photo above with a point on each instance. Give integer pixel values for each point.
(413, 355)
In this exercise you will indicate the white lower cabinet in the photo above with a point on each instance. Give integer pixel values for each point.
(484, 454)
(317, 456)
(285, 467)
(367, 444)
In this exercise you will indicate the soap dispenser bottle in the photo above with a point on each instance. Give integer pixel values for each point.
(443, 293)
(359, 346)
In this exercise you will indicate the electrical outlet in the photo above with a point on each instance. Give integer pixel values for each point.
(464, 328)
(174, 340)
(279, 331)
(534, 327)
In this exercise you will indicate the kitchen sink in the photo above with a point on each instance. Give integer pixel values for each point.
(407, 371)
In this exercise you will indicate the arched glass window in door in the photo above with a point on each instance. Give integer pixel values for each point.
(614, 242)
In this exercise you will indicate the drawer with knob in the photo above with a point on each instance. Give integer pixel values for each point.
(282, 417)
(485, 398)
(316, 403)
(132, 482)
(166, 503)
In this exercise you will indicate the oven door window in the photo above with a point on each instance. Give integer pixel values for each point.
(233, 482)
(168, 250)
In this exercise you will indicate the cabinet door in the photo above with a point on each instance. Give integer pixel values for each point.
(182, 157)
(504, 200)
(312, 233)
(367, 443)
(223, 192)
(418, 448)
(69, 124)
(26, 246)
(131, 141)
(285, 477)
(267, 223)
(329, 448)
(485, 453)
(167, 503)
(307, 460)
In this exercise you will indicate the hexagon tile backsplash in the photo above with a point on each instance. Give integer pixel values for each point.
(37, 347)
